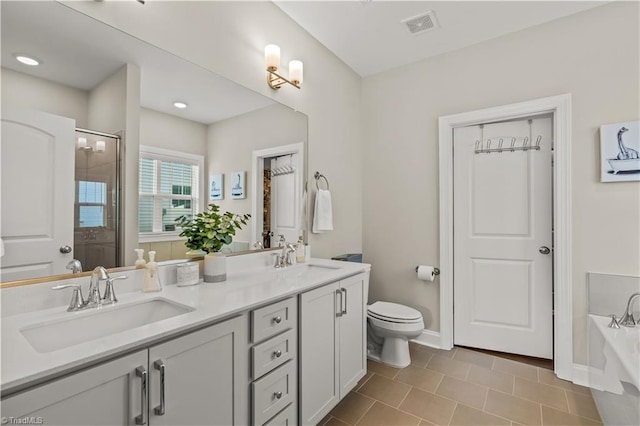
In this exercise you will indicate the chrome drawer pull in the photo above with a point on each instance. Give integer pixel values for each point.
(142, 418)
(344, 310)
(340, 311)
(277, 354)
(159, 410)
(278, 395)
(277, 319)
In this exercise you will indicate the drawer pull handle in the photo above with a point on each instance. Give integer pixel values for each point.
(277, 354)
(277, 395)
(277, 319)
(160, 410)
(142, 418)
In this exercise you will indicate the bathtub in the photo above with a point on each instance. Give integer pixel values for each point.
(614, 371)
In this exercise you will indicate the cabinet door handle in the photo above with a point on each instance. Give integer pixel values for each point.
(277, 319)
(277, 395)
(277, 353)
(159, 365)
(142, 418)
(339, 313)
(344, 310)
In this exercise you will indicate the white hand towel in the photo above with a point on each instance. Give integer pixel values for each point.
(322, 213)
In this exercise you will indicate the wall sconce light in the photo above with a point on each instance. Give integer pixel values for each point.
(272, 63)
(83, 146)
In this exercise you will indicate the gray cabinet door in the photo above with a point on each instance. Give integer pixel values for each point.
(353, 333)
(319, 388)
(205, 375)
(109, 394)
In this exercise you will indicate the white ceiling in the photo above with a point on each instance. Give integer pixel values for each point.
(369, 37)
(80, 52)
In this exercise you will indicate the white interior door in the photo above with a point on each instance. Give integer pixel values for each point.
(503, 290)
(285, 200)
(37, 202)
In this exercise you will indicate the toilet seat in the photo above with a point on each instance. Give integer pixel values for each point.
(393, 312)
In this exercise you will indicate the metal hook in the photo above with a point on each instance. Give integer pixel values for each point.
(500, 145)
(488, 145)
(526, 141)
(538, 142)
(513, 143)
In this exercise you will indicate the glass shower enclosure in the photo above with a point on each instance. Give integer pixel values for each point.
(97, 199)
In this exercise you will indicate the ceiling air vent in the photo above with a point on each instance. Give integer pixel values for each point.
(421, 23)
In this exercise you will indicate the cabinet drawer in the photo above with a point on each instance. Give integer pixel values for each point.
(274, 352)
(286, 417)
(273, 319)
(273, 392)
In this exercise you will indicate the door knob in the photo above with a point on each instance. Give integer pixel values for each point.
(544, 250)
(65, 249)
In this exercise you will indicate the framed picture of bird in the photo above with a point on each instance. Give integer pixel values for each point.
(620, 152)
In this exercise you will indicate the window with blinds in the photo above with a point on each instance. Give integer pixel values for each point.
(91, 198)
(169, 185)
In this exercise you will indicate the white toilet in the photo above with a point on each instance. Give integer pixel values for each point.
(390, 326)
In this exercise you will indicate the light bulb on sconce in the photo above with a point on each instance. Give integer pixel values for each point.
(83, 145)
(272, 63)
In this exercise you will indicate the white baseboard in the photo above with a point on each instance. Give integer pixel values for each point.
(580, 375)
(428, 338)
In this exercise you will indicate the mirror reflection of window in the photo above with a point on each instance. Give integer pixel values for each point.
(169, 183)
(92, 203)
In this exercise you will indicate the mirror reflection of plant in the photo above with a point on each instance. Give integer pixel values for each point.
(210, 230)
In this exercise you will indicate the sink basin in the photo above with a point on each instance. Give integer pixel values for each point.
(94, 324)
(306, 270)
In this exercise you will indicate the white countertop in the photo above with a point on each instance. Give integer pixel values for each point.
(23, 366)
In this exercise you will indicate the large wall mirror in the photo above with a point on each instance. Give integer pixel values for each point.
(98, 159)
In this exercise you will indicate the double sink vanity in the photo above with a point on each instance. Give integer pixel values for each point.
(267, 346)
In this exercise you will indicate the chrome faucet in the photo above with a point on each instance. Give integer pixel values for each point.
(627, 318)
(74, 266)
(284, 258)
(93, 299)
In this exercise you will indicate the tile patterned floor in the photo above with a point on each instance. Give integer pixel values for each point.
(463, 387)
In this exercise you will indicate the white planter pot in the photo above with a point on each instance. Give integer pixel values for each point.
(215, 268)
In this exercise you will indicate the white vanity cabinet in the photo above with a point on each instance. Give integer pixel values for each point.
(333, 344)
(203, 384)
(274, 364)
(108, 394)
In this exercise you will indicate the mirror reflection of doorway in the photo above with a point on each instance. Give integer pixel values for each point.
(96, 204)
(280, 202)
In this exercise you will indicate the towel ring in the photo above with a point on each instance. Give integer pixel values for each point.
(318, 176)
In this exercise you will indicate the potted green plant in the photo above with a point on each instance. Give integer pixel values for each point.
(208, 232)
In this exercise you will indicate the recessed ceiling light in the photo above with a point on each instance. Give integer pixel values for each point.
(27, 60)
(180, 105)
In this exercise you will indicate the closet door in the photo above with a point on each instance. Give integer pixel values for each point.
(503, 239)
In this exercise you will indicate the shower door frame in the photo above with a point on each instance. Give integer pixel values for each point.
(119, 229)
(560, 107)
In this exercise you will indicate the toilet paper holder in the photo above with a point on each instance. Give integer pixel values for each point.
(436, 271)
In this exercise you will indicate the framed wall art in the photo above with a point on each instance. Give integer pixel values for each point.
(216, 186)
(238, 185)
(619, 152)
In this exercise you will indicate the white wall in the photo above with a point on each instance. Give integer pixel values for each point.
(44, 95)
(114, 107)
(229, 38)
(167, 131)
(593, 55)
(231, 143)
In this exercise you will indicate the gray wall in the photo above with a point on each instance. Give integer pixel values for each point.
(593, 55)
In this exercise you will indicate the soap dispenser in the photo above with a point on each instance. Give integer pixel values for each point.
(300, 250)
(140, 262)
(151, 280)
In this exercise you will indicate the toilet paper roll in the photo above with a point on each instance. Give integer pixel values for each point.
(426, 273)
